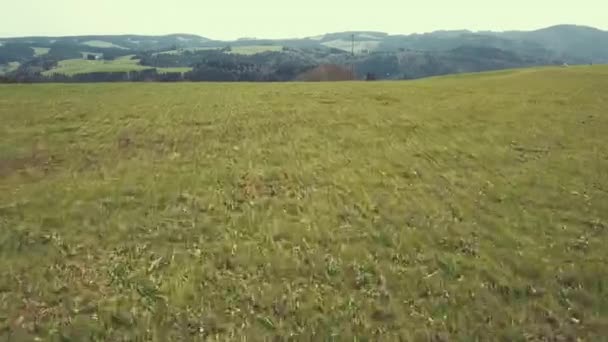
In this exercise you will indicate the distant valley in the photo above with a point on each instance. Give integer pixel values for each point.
(356, 55)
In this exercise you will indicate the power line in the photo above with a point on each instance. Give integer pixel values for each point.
(352, 52)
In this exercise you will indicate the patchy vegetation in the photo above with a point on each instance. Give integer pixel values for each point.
(102, 44)
(461, 208)
(9, 67)
(41, 51)
(123, 64)
(377, 55)
(254, 49)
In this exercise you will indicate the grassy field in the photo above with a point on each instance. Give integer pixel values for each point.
(80, 66)
(41, 51)
(102, 44)
(460, 208)
(253, 49)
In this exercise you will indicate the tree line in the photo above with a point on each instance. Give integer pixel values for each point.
(221, 65)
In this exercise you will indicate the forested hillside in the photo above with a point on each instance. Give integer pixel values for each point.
(369, 55)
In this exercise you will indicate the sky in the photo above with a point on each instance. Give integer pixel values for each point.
(232, 19)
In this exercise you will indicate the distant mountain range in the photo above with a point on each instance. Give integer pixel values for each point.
(390, 56)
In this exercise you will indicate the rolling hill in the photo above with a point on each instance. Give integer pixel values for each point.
(464, 208)
(132, 42)
(579, 42)
(383, 55)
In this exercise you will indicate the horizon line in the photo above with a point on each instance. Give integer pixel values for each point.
(300, 37)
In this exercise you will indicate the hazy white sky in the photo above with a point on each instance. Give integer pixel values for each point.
(230, 19)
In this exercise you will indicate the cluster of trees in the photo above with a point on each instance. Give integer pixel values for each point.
(313, 64)
(220, 65)
(207, 65)
(15, 52)
(146, 75)
(300, 64)
(384, 56)
(22, 52)
(412, 64)
(327, 73)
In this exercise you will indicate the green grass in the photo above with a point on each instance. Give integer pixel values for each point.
(253, 49)
(41, 51)
(102, 44)
(472, 208)
(80, 66)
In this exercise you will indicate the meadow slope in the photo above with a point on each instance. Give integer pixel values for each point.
(71, 67)
(470, 207)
